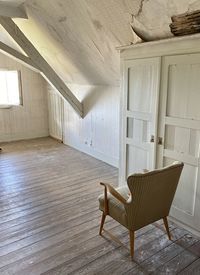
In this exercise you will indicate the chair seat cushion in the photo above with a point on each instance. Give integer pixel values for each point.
(116, 208)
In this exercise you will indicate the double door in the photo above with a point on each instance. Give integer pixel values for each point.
(161, 124)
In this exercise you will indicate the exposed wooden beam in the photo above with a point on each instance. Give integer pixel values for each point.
(5, 49)
(11, 11)
(41, 63)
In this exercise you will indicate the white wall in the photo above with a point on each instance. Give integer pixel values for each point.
(31, 119)
(97, 134)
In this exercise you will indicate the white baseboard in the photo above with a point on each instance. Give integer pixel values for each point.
(22, 136)
(94, 153)
(186, 227)
(54, 137)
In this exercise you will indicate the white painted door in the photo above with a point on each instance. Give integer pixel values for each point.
(179, 127)
(55, 107)
(139, 113)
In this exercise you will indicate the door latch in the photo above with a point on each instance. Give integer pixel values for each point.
(160, 141)
(152, 139)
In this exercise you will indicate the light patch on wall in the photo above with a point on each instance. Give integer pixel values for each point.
(10, 92)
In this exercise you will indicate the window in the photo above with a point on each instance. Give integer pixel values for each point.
(10, 88)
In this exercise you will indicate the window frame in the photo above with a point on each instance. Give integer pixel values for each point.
(8, 106)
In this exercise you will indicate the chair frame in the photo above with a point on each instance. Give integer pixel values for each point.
(119, 197)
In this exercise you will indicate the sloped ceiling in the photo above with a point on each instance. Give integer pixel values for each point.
(78, 37)
(13, 2)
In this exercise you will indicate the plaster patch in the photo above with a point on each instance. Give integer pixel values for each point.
(62, 19)
(97, 24)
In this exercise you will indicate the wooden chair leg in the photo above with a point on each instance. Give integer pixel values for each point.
(167, 227)
(102, 223)
(132, 236)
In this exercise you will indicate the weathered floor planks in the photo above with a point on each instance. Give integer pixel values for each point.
(49, 219)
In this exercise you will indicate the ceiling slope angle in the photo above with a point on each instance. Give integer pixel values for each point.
(35, 60)
(75, 38)
(78, 38)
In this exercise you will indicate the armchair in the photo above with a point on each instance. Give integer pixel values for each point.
(147, 199)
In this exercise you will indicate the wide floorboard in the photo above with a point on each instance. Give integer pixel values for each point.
(49, 219)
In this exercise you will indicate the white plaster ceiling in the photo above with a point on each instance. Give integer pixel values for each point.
(78, 37)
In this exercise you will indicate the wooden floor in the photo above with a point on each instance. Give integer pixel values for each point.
(49, 219)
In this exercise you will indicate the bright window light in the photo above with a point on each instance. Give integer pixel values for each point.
(10, 92)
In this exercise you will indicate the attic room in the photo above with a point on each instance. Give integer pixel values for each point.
(99, 137)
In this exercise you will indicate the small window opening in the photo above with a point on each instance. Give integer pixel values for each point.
(10, 88)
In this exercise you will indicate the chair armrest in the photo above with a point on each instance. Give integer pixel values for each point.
(113, 192)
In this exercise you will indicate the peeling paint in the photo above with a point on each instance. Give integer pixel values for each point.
(140, 8)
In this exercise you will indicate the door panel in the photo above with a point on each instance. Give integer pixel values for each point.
(185, 198)
(140, 88)
(183, 82)
(137, 158)
(140, 110)
(179, 126)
